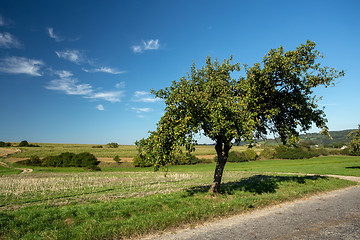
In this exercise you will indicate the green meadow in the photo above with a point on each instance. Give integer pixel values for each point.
(124, 202)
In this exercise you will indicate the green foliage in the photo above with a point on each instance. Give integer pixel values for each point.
(268, 153)
(235, 156)
(97, 146)
(25, 143)
(117, 159)
(66, 159)
(355, 142)
(275, 96)
(112, 145)
(140, 161)
(185, 159)
(5, 144)
(294, 152)
(245, 156)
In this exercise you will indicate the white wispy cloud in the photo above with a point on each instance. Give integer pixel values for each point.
(74, 56)
(2, 22)
(100, 107)
(54, 36)
(66, 83)
(104, 70)
(110, 96)
(141, 110)
(21, 65)
(69, 85)
(7, 40)
(152, 44)
(141, 96)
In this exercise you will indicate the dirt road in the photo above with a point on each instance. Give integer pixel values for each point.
(4, 152)
(334, 215)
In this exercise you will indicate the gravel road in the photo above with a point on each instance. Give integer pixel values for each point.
(334, 215)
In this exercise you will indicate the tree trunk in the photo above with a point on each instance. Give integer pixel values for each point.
(222, 153)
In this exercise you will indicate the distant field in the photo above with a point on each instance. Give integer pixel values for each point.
(125, 151)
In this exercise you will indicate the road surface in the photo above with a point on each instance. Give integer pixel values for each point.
(334, 215)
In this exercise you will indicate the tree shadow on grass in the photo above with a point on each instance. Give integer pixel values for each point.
(356, 167)
(258, 184)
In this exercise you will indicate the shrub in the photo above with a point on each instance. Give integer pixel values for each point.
(84, 159)
(4, 144)
(112, 145)
(66, 159)
(268, 153)
(347, 151)
(97, 146)
(117, 159)
(248, 155)
(33, 161)
(235, 156)
(23, 143)
(185, 159)
(295, 152)
(140, 161)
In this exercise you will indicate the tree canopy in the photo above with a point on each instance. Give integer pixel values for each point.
(355, 141)
(274, 96)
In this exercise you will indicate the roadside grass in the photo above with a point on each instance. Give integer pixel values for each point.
(120, 205)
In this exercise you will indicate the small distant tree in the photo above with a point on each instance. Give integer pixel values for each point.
(355, 141)
(112, 145)
(117, 159)
(275, 96)
(24, 143)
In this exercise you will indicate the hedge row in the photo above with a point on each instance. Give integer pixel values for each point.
(66, 159)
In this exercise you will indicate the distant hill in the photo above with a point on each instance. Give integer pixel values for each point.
(339, 138)
(317, 138)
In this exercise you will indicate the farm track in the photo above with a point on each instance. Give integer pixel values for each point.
(23, 170)
(5, 152)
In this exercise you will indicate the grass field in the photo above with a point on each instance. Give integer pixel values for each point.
(126, 151)
(122, 202)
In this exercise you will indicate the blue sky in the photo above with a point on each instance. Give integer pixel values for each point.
(81, 71)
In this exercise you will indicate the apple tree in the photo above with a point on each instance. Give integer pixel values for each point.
(274, 96)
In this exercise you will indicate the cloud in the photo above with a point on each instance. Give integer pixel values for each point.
(2, 22)
(152, 44)
(104, 70)
(74, 56)
(69, 85)
(141, 96)
(100, 107)
(21, 65)
(141, 110)
(111, 96)
(120, 85)
(137, 49)
(51, 33)
(9, 41)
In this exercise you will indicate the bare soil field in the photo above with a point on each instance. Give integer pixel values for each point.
(8, 151)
